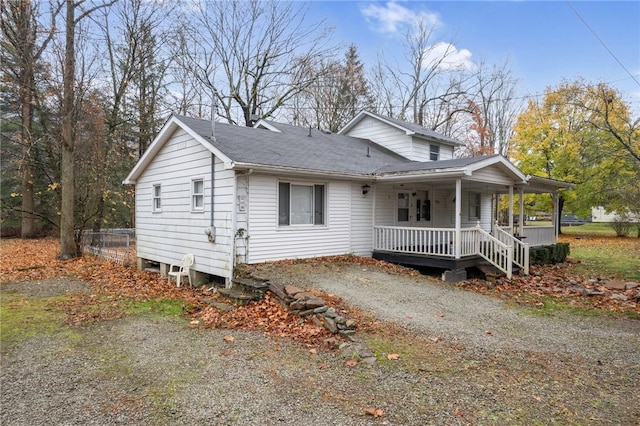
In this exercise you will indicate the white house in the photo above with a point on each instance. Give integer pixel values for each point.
(380, 187)
(600, 214)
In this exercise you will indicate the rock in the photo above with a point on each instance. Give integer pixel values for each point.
(303, 295)
(306, 313)
(617, 296)
(330, 312)
(558, 289)
(616, 285)
(292, 290)
(315, 302)
(330, 325)
(593, 281)
(350, 324)
(320, 309)
(297, 305)
(591, 292)
(347, 334)
(631, 285)
(277, 289)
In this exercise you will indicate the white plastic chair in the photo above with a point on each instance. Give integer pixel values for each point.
(179, 270)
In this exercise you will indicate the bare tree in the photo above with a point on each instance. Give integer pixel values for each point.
(428, 87)
(339, 91)
(252, 55)
(493, 108)
(68, 243)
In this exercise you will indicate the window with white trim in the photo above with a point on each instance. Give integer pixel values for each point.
(301, 204)
(474, 206)
(434, 152)
(157, 198)
(197, 195)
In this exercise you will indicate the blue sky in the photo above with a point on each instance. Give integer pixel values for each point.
(545, 41)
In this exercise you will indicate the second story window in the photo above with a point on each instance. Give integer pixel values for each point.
(434, 152)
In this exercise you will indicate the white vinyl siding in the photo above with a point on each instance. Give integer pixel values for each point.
(168, 236)
(269, 241)
(395, 139)
(383, 134)
(361, 220)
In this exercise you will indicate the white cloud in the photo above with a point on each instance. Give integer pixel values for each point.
(393, 18)
(447, 57)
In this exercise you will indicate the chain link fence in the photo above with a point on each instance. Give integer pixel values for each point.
(115, 245)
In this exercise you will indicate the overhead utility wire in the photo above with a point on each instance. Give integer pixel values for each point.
(602, 42)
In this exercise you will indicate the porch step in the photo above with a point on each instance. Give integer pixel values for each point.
(490, 272)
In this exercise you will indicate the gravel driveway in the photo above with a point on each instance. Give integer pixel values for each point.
(442, 310)
(492, 364)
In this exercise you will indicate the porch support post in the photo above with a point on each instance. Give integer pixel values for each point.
(458, 234)
(511, 208)
(521, 213)
(554, 215)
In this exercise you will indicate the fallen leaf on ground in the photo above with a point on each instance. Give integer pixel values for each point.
(350, 362)
(228, 338)
(375, 412)
(393, 357)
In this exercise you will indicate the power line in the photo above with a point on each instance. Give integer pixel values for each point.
(602, 42)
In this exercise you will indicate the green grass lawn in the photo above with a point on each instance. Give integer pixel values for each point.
(601, 253)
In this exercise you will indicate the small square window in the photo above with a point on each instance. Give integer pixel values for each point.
(197, 194)
(157, 200)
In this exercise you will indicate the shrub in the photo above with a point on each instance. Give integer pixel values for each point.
(555, 253)
(621, 226)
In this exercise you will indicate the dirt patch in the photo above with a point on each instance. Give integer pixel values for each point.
(48, 288)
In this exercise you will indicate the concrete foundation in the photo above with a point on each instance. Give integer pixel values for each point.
(454, 276)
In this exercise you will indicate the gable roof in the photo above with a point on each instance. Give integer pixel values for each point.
(410, 129)
(277, 147)
(290, 148)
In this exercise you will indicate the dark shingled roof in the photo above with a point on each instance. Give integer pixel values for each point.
(414, 166)
(325, 152)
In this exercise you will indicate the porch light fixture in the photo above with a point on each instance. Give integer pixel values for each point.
(365, 189)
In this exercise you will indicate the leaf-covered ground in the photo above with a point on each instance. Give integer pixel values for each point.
(112, 284)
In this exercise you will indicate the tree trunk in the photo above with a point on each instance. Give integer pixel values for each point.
(559, 216)
(68, 247)
(28, 219)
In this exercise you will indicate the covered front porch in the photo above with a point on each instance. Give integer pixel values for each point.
(449, 219)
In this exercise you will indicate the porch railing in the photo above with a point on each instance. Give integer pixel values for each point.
(499, 254)
(441, 242)
(539, 235)
(520, 248)
(429, 241)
